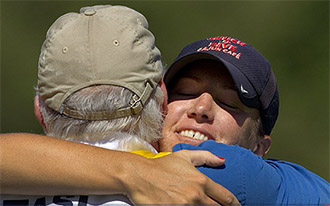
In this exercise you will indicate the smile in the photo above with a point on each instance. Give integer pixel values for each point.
(194, 135)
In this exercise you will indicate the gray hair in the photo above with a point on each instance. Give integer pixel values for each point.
(146, 125)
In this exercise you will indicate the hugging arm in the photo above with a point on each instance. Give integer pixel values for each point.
(255, 181)
(38, 165)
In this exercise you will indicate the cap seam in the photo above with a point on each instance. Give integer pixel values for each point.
(138, 39)
(139, 42)
(90, 45)
(52, 36)
(125, 25)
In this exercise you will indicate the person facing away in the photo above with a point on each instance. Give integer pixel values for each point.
(99, 83)
(97, 71)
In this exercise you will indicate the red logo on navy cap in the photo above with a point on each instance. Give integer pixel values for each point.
(227, 45)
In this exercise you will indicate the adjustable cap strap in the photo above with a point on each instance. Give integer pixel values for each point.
(135, 108)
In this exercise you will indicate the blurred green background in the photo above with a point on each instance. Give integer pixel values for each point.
(293, 36)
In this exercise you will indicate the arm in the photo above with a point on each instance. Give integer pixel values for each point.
(34, 164)
(255, 181)
(56, 166)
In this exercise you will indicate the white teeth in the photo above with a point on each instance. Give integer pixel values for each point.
(191, 134)
(197, 135)
(200, 136)
(194, 135)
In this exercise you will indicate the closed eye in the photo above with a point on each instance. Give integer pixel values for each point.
(182, 95)
(186, 94)
(227, 106)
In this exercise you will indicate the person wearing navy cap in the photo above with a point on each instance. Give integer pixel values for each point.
(224, 91)
(237, 79)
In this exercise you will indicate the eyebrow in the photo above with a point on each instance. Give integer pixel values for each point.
(197, 79)
(190, 76)
(231, 87)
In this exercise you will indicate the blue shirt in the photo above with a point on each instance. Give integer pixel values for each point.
(254, 180)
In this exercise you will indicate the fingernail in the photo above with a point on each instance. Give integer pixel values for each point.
(221, 158)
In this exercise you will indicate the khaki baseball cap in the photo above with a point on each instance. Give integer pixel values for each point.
(101, 45)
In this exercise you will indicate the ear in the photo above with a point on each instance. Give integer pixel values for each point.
(163, 88)
(37, 112)
(263, 146)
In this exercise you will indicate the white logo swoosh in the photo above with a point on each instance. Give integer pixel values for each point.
(243, 90)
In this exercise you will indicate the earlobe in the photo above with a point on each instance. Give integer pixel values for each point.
(263, 146)
(38, 113)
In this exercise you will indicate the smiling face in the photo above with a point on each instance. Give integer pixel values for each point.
(203, 104)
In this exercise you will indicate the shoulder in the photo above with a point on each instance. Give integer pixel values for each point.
(299, 185)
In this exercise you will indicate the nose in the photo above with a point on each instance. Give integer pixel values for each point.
(202, 109)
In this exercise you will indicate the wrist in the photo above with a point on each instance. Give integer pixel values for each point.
(132, 174)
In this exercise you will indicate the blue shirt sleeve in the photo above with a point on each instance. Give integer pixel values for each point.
(299, 186)
(255, 181)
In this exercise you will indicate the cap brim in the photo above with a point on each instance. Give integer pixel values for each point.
(242, 84)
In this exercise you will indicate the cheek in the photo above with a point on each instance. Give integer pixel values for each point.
(239, 133)
(229, 131)
(175, 111)
(171, 122)
(227, 120)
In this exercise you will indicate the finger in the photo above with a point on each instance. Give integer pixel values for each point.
(220, 194)
(199, 157)
(208, 201)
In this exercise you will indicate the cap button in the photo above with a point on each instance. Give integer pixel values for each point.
(89, 12)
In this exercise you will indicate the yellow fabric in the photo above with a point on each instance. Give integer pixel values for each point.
(148, 154)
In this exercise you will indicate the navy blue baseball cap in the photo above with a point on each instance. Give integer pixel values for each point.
(252, 74)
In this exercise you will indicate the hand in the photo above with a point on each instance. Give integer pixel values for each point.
(173, 179)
